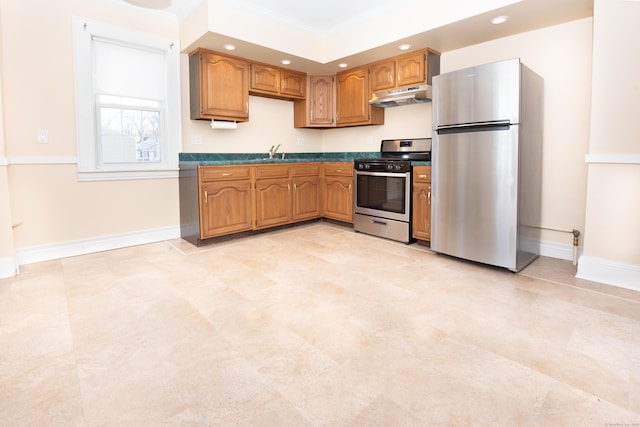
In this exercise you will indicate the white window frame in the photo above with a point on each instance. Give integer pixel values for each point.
(90, 166)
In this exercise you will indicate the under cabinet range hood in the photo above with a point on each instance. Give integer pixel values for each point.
(403, 96)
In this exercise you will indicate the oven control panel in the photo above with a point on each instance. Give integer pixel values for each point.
(371, 165)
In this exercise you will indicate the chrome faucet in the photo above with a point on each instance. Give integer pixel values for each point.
(273, 150)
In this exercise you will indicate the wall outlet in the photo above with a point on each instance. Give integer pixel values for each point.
(43, 136)
(369, 140)
(300, 141)
(196, 139)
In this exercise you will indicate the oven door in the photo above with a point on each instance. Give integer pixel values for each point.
(383, 194)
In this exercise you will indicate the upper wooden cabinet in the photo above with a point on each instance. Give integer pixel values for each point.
(218, 86)
(405, 70)
(353, 93)
(275, 82)
(319, 107)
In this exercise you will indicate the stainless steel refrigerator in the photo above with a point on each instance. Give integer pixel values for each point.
(486, 164)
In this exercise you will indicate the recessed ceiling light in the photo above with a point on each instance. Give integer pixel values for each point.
(151, 4)
(405, 46)
(343, 65)
(499, 20)
(229, 47)
(285, 62)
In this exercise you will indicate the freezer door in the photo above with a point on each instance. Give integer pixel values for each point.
(475, 195)
(483, 94)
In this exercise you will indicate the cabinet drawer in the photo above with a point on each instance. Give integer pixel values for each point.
(224, 173)
(301, 169)
(338, 168)
(422, 174)
(272, 171)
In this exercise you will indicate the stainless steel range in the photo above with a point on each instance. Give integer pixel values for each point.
(382, 196)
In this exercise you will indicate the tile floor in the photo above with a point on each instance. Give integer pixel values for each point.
(313, 326)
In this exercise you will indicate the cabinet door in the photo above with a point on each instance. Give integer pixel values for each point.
(224, 89)
(306, 197)
(273, 202)
(292, 84)
(353, 97)
(225, 207)
(319, 108)
(421, 222)
(422, 211)
(411, 70)
(338, 198)
(265, 78)
(383, 76)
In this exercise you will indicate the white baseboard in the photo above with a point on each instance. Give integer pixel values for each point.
(609, 272)
(8, 267)
(558, 250)
(97, 244)
(550, 249)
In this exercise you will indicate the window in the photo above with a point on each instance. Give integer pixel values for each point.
(127, 102)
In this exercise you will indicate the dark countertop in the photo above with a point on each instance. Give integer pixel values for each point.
(260, 158)
(212, 159)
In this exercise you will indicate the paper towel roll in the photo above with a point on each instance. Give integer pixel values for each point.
(220, 124)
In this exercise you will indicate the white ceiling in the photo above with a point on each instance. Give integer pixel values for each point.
(327, 18)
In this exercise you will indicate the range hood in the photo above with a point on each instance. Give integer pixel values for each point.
(404, 96)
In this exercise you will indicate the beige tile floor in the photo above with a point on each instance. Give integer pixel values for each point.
(313, 326)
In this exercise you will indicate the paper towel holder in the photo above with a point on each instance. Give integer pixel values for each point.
(223, 124)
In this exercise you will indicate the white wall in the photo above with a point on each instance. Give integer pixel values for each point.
(612, 245)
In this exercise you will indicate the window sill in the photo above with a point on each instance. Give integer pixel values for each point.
(127, 175)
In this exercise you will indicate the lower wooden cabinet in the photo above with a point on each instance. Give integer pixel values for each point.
(221, 200)
(273, 195)
(226, 208)
(337, 191)
(225, 201)
(421, 222)
(306, 191)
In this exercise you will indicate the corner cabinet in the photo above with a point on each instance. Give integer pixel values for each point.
(421, 222)
(218, 86)
(319, 108)
(337, 191)
(353, 94)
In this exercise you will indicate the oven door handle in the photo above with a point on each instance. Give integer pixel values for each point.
(391, 174)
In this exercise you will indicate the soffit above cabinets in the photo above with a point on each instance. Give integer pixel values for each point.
(317, 36)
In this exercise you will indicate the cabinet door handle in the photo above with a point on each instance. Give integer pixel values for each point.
(206, 196)
(227, 174)
(295, 187)
(429, 196)
(349, 187)
(289, 187)
(422, 176)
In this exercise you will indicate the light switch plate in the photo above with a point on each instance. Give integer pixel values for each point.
(196, 139)
(43, 136)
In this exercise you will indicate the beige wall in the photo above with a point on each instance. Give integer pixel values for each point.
(7, 252)
(613, 191)
(51, 206)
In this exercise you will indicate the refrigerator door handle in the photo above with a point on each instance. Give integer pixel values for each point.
(474, 127)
